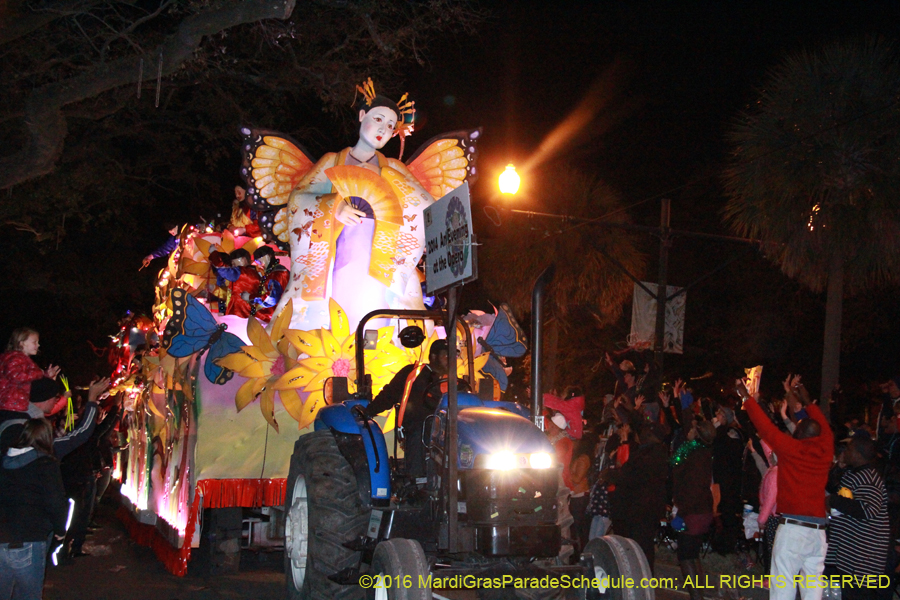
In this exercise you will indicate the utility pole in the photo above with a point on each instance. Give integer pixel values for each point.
(666, 235)
(662, 281)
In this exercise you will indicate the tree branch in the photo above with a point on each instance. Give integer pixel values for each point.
(47, 127)
(23, 20)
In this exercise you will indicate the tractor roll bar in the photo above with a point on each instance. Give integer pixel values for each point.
(430, 315)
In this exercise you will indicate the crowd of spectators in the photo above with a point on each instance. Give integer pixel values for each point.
(767, 478)
(50, 464)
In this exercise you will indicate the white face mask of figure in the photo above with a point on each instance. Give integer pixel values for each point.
(377, 126)
(559, 421)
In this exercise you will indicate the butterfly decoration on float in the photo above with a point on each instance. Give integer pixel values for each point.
(273, 165)
(192, 329)
(504, 340)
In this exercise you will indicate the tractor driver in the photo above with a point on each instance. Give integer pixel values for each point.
(424, 394)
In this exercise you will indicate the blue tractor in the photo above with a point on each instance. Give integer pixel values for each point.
(357, 526)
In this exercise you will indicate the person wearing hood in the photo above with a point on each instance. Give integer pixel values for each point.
(33, 506)
(804, 461)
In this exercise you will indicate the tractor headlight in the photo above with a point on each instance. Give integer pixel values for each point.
(501, 461)
(505, 461)
(540, 460)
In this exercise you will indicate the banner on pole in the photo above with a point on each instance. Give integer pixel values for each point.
(643, 319)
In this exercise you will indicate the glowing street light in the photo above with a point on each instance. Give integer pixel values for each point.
(509, 180)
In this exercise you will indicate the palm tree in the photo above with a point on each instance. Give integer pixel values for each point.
(588, 290)
(815, 174)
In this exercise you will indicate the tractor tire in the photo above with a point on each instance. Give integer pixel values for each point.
(396, 570)
(323, 510)
(617, 557)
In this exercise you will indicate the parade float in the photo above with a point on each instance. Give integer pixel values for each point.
(348, 236)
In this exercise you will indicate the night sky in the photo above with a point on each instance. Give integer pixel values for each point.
(667, 79)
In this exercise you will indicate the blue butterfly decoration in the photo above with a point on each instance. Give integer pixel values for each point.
(505, 339)
(193, 329)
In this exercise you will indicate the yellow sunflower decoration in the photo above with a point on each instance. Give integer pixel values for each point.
(328, 353)
(263, 363)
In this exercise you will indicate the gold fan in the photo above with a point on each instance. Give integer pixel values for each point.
(352, 181)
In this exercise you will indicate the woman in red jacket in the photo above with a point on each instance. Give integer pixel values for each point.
(17, 370)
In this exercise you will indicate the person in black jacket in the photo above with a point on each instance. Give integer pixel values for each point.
(44, 394)
(692, 472)
(422, 401)
(80, 480)
(639, 501)
(33, 506)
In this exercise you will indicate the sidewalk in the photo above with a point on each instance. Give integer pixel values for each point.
(718, 569)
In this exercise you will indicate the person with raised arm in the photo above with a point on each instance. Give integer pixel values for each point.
(804, 461)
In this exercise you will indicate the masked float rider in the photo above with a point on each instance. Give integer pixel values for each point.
(273, 279)
(420, 387)
(244, 280)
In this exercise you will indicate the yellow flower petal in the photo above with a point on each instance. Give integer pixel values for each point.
(340, 326)
(292, 403)
(348, 348)
(307, 342)
(285, 348)
(255, 353)
(194, 267)
(281, 324)
(318, 382)
(331, 346)
(251, 245)
(390, 422)
(202, 246)
(385, 337)
(310, 409)
(260, 338)
(227, 245)
(385, 364)
(236, 361)
(257, 369)
(297, 377)
(267, 406)
(247, 393)
(316, 363)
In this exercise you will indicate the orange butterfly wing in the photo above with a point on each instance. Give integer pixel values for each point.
(444, 162)
(272, 165)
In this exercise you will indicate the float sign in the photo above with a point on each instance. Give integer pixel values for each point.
(450, 256)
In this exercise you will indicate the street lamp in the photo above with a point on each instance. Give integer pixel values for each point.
(509, 180)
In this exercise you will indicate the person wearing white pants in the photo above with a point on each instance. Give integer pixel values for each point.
(804, 460)
(799, 550)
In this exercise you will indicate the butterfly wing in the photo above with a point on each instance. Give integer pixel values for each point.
(495, 369)
(444, 162)
(272, 165)
(190, 327)
(228, 343)
(506, 338)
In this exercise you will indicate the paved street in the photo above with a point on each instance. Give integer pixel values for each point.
(119, 569)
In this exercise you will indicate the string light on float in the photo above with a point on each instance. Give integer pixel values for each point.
(509, 180)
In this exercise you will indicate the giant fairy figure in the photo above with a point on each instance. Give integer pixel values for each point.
(353, 220)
